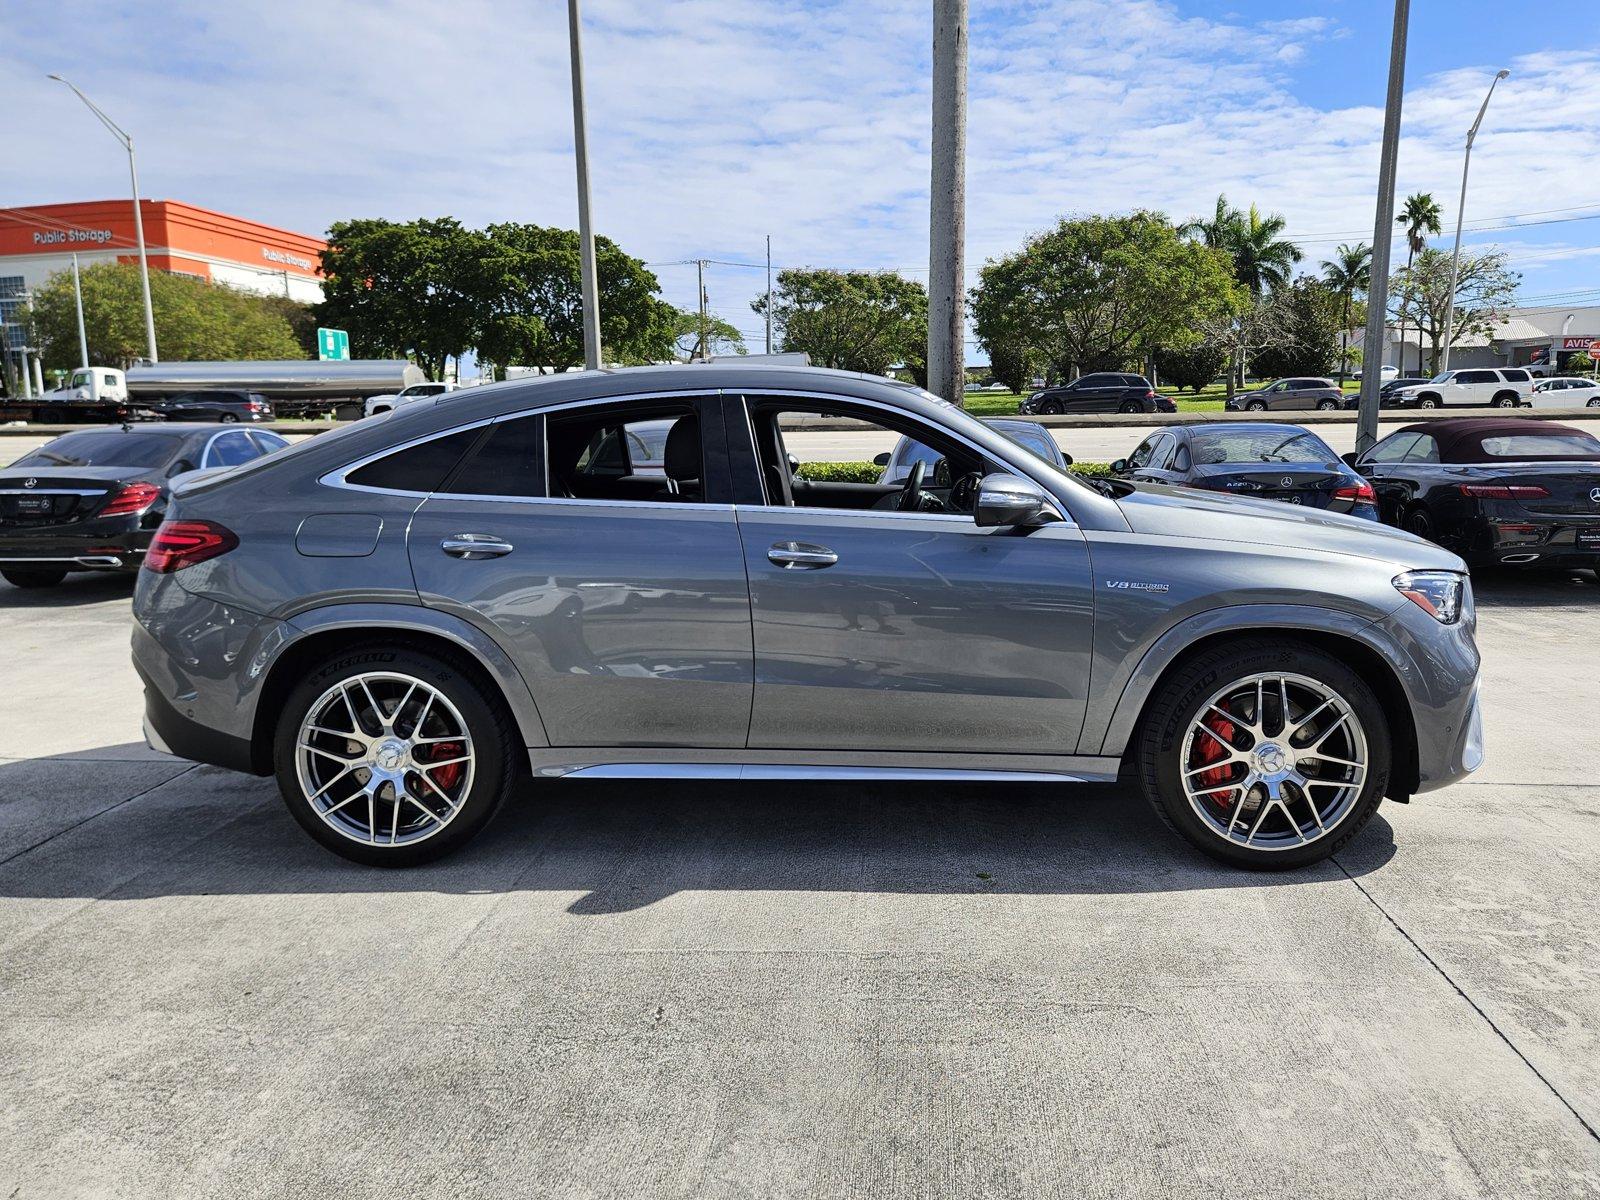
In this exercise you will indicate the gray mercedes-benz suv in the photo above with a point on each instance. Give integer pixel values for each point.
(408, 619)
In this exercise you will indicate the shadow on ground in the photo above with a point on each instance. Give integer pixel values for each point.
(625, 845)
(88, 587)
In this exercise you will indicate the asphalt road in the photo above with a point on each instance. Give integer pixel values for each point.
(642, 990)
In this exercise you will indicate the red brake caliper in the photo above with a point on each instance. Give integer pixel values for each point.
(447, 777)
(1210, 750)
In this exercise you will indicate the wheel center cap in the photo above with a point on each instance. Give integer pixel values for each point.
(389, 755)
(1271, 758)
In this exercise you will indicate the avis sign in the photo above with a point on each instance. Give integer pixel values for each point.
(333, 344)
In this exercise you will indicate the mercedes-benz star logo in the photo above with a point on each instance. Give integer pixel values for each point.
(1594, 493)
(1286, 481)
(30, 483)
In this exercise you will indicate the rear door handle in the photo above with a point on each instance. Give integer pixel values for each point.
(475, 546)
(801, 556)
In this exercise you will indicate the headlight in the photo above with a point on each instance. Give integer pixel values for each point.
(1437, 593)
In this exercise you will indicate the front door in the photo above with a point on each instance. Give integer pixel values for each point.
(617, 587)
(890, 629)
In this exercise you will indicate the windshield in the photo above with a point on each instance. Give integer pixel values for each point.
(1212, 446)
(105, 448)
(1442, 377)
(1542, 445)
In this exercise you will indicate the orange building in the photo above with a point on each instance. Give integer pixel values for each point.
(39, 241)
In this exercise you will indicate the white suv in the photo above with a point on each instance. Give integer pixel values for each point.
(417, 391)
(1502, 387)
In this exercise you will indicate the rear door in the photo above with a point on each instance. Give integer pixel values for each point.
(621, 597)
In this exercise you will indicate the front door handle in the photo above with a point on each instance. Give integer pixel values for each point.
(801, 556)
(475, 546)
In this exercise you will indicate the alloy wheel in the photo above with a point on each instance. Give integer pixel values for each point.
(384, 759)
(1274, 761)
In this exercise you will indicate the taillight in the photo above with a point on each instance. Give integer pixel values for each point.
(1150, 395)
(131, 498)
(1361, 493)
(257, 406)
(179, 544)
(1503, 491)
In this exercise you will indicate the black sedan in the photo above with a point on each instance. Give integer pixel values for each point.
(1258, 461)
(90, 500)
(225, 406)
(1496, 491)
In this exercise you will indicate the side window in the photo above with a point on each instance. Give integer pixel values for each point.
(509, 461)
(419, 468)
(1393, 448)
(1141, 456)
(1518, 376)
(651, 451)
(229, 450)
(1425, 451)
(1477, 377)
(108, 381)
(266, 443)
(1161, 452)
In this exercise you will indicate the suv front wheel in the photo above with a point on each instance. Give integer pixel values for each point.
(1265, 754)
(390, 756)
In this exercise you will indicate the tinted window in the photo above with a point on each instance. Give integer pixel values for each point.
(1541, 445)
(229, 450)
(1213, 446)
(509, 462)
(1036, 441)
(1161, 452)
(1517, 376)
(1426, 449)
(105, 448)
(420, 468)
(1393, 449)
(1477, 377)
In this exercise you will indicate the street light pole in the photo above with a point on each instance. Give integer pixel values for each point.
(138, 217)
(1382, 235)
(580, 142)
(1461, 211)
(77, 295)
(947, 360)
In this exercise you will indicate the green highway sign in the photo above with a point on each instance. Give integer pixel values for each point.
(333, 344)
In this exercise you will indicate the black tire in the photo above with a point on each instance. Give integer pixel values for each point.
(496, 742)
(1159, 745)
(33, 577)
(1506, 400)
(1051, 408)
(1256, 406)
(228, 419)
(1420, 522)
(1427, 402)
(1131, 406)
(1328, 405)
(1594, 402)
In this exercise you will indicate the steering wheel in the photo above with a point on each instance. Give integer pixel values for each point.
(911, 491)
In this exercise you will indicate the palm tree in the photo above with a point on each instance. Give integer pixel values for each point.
(1262, 259)
(1218, 232)
(1420, 216)
(1349, 271)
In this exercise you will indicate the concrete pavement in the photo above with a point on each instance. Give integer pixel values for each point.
(824, 990)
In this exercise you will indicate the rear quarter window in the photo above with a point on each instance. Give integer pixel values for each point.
(420, 468)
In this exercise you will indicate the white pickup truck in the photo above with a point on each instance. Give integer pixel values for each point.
(1496, 387)
(409, 395)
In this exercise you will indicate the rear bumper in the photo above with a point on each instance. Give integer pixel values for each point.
(170, 732)
(111, 544)
(1534, 541)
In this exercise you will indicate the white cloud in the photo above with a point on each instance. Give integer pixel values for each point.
(715, 122)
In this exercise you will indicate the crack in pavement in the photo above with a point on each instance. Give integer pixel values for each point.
(1476, 1007)
(96, 816)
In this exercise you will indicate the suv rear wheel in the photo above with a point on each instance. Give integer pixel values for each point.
(1327, 405)
(1131, 406)
(1265, 754)
(1506, 400)
(391, 756)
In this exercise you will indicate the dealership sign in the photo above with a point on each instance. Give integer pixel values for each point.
(58, 237)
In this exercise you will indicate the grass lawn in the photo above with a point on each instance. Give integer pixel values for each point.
(1207, 399)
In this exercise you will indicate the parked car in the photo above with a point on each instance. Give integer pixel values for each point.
(1498, 491)
(1104, 391)
(1500, 387)
(226, 407)
(91, 500)
(1566, 391)
(406, 395)
(1261, 462)
(1035, 439)
(1388, 394)
(1299, 393)
(430, 612)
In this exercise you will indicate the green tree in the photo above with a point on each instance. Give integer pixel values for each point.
(1194, 367)
(1310, 323)
(404, 289)
(1348, 273)
(1262, 258)
(1420, 216)
(1580, 364)
(1009, 364)
(1485, 289)
(302, 319)
(854, 320)
(720, 337)
(195, 320)
(1097, 292)
(530, 301)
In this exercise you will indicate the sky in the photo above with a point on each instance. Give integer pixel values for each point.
(714, 123)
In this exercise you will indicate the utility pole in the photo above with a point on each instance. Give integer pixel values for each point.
(769, 293)
(77, 295)
(1461, 211)
(700, 274)
(1382, 236)
(947, 360)
(580, 142)
(138, 217)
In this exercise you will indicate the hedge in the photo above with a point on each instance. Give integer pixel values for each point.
(865, 472)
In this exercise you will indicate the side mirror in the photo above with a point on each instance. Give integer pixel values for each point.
(1350, 459)
(1009, 500)
(1118, 467)
(794, 465)
(881, 460)
(1066, 458)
